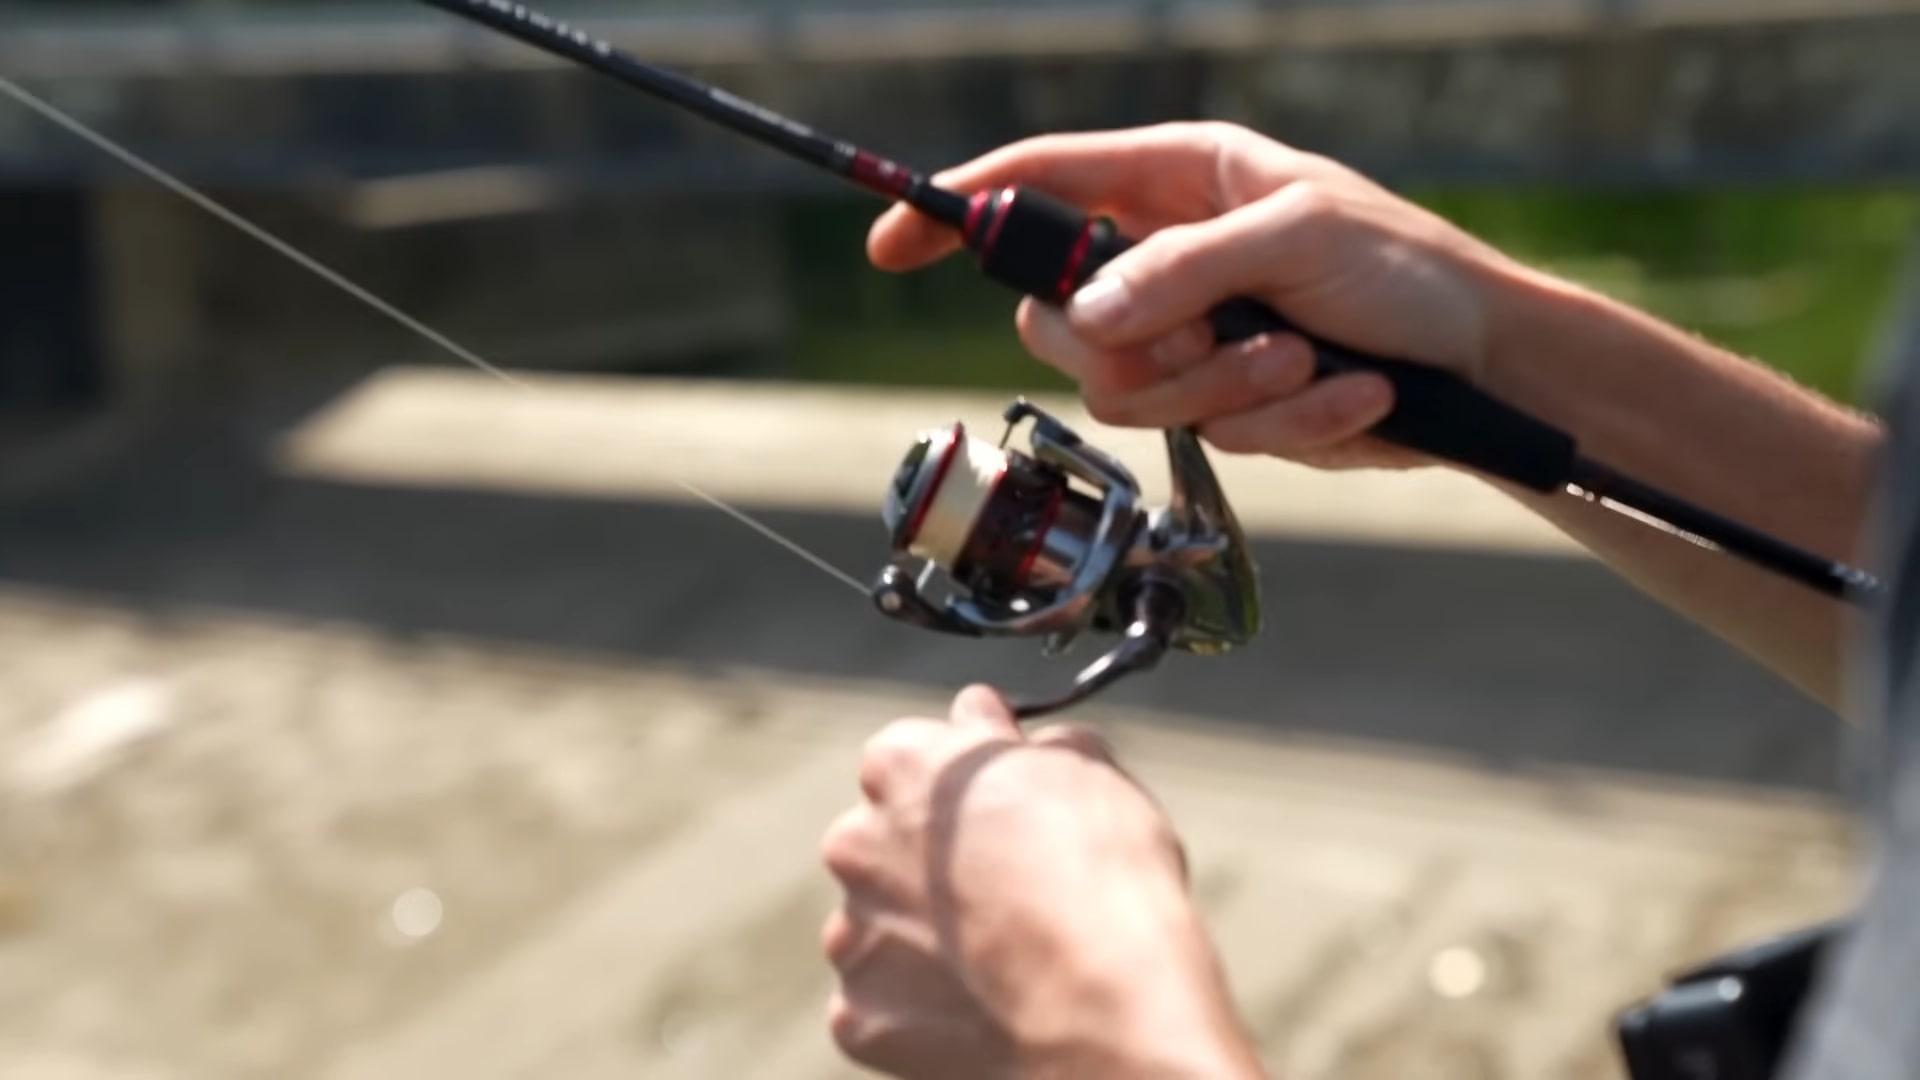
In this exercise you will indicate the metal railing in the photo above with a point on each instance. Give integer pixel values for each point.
(1836, 112)
(106, 38)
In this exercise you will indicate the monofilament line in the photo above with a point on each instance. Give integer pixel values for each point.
(181, 188)
(186, 191)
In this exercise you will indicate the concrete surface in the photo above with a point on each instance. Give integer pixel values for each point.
(608, 437)
(311, 772)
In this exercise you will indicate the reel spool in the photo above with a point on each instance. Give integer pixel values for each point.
(1026, 553)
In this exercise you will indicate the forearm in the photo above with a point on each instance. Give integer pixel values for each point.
(1151, 1004)
(1676, 412)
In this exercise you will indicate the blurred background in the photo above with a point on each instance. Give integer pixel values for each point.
(363, 715)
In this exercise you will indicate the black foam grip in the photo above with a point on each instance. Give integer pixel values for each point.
(1435, 411)
(1033, 243)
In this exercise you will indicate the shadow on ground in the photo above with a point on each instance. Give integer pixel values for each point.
(1506, 661)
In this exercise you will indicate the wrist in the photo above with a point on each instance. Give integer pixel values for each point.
(1562, 351)
(1135, 1006)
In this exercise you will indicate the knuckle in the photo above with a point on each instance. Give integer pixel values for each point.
(838, 937)
(860, 1033)
(846, 1025)
(1177, 133)
(1221, 134)
(876, 774)
(900, 753)
(1308, 203)
(1177, 251)
(892, 748)
(1311, 217)
(844, 846)
(1183, 348)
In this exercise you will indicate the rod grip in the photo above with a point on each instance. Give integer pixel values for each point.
(1046, 249)
(1434, 411)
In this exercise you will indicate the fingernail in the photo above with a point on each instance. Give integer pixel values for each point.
(1277, 364)
(1102, 300)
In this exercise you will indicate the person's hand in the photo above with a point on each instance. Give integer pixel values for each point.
(1222, 212)
(1017, 907)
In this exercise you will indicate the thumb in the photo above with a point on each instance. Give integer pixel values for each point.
(981, 710)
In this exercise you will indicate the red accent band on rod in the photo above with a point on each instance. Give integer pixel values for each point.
(1065, 289)
(1003, 200)
(879, 174)
(976, 209)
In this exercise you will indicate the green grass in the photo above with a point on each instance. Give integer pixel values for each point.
(980, 357)
(1800, 280)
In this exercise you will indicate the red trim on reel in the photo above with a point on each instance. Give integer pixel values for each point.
(917, 517)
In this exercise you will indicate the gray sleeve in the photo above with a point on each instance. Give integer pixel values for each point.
(1864, 1021)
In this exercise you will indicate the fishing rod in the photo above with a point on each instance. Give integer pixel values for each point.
(1030, 555)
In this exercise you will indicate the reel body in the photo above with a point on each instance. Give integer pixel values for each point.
(1027, 553)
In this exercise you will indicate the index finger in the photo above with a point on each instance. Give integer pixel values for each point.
(1136, 175)
(981, 710)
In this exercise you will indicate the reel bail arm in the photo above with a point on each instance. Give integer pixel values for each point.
(1027, 553)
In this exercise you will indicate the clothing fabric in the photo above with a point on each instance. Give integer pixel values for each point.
(1863, 1021)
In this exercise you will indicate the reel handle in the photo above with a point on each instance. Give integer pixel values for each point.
(1158, 606)
(1047, 249)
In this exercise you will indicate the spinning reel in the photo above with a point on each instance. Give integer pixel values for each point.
(1026, 553)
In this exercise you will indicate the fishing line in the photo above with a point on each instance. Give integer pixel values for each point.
(1047, 249)
(186, 191)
